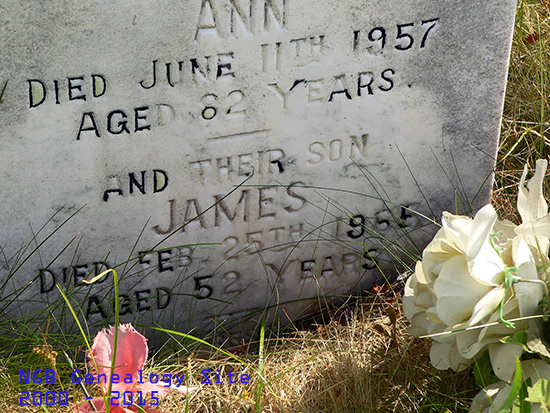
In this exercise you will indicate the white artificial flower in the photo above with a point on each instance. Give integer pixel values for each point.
(493, 397)
(533, 209)
(531, 202)
(460, 282)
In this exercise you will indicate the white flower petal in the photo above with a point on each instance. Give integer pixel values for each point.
(409, 308)
(528, 294)
(417, 301)
(416, 297)
(472, 342)
(439, 355)
(485, 398)
(432, 315)
(494, 333)
(457, 292)
(539, 226)
(488, 267)
(424, 299)
(501, 397)
(504, 230)
(481, 229)
(457, 228)
(419, 325)
(419, 274)
(531, 203)
(415, 314)
(433, 257)
(486, 306)
(535, 369)
(503, 359)
(445, 355)
(469, 343)
(537, 234)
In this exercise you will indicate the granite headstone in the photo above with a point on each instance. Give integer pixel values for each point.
(232, 156)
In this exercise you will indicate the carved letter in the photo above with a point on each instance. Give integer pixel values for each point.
(157, 229)
(340, 86)
(77, 86)
(114, 184)
(47, 281)
(160, 180)
(93, 127)
(138, 118)
(94, 307)
(37, 92)
(163, 297)
(265, 202)
(141, 298)
(121, 124)
(169, 73)
(221, 207)
(295, 196)
(244, 20)
(133, 181)
(125, 304)
(197, 72)
(154, 82)
(278, 15)
(99, 86)
(277, 90)
(193, 204)
(207, 20)
(361, 85)
(165, 256)
(387, 79)
(358, 147)
(165, 114)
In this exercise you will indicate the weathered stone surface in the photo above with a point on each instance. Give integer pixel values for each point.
(306, 139)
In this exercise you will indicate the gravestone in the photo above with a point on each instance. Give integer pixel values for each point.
(231, 156)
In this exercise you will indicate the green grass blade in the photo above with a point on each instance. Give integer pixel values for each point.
(514, 393)
(261, 362)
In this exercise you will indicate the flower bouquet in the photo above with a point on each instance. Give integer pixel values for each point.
(481, 289)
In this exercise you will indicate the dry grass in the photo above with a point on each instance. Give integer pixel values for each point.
(526, 117)
(362, 363)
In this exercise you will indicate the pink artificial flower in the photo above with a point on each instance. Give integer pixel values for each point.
(131, 356)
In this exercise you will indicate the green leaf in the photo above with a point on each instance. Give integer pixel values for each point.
(514, 392)
(519, 338)
(483, 371)
(540, 393)
(522, 405)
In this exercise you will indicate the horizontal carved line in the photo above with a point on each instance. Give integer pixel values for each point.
(238, 135)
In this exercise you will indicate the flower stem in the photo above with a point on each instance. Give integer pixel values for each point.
(113, 360)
